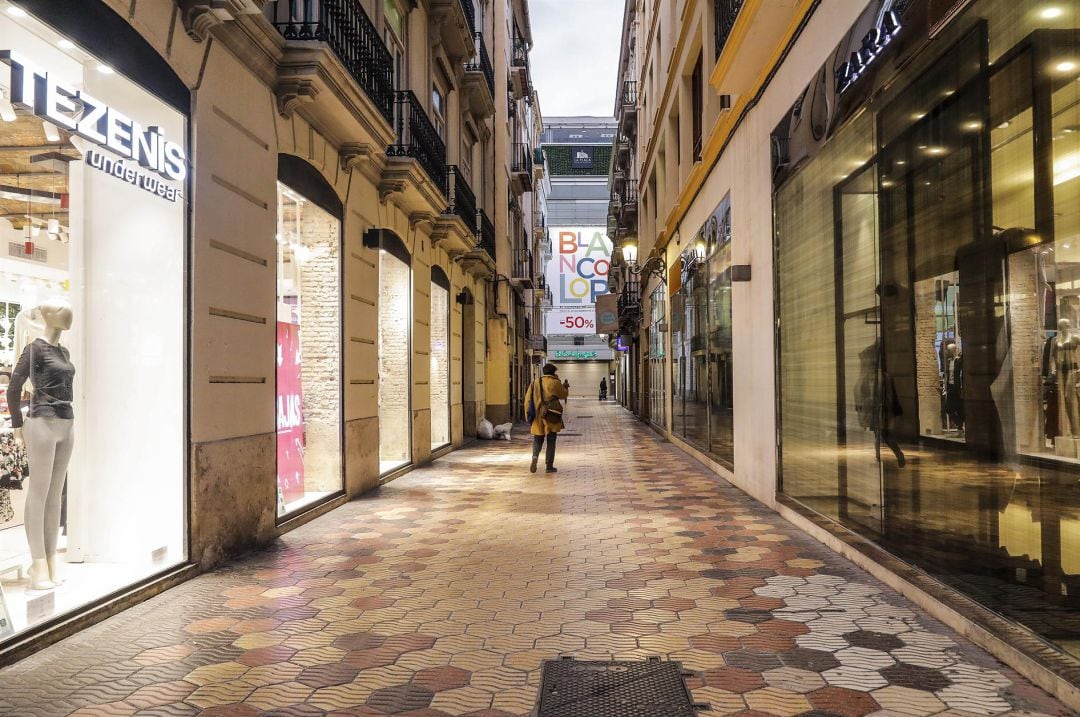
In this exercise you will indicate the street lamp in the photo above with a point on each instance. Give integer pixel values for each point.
(629, 252)
(653, 265)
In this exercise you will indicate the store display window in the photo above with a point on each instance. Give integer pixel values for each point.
(309, 420)
(440, 358)
(657, 356)
(702, 407)
(395, 352)
(928, 270)
(93, 172)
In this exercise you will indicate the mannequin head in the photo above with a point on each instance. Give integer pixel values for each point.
(951, 350)
(56, 313)
(1064, 327)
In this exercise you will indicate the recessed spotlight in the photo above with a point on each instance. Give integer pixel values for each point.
(1066, 246)
(973, 125)
(105, 69)
(66, 44)
(1066, 66)
(901, 162)
(16, 11)
(918, 115)
(1004, 124)
(1051, 13)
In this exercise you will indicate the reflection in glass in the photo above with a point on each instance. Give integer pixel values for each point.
(309, 464)
(395, 319)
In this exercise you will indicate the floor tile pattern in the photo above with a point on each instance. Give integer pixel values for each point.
(442, 593)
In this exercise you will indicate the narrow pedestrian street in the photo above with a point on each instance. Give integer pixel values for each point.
(441, 593)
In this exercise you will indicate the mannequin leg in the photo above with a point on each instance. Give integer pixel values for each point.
(1072, 409)
(64, 435)
(40, 450)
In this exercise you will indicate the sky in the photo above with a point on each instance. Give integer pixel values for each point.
(575, 54)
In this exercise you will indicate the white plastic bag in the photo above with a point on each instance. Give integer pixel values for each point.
(503, 430)
(486, 430)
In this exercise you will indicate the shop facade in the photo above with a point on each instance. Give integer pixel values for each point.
(226, 307)
(904, 198)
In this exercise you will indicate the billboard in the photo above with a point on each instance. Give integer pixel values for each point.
(577, 274)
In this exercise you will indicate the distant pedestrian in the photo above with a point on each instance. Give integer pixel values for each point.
(603, 389)
(566, 385)
(543, 408)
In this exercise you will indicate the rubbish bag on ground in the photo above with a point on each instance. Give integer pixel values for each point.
(503, 430)
(486, 430)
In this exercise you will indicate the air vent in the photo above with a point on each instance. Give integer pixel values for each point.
(17, 249)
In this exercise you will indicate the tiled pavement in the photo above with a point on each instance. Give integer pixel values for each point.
(440, 595)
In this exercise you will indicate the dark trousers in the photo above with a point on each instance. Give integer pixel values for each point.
(538, 443)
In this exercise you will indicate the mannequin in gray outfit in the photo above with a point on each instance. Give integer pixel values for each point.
(47, 435)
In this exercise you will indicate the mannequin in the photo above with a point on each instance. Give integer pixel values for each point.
(1065, 367)
(952, 384)
(47, 435)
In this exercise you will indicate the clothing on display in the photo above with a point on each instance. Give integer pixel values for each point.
(1065, 364)
(13, 466)
(49, 369)
(953, 380)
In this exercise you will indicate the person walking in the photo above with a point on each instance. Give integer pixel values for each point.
(603, 389)
(545, 395)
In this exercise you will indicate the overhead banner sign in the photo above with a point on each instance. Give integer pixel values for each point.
(582, 159)
(607, 314)
(577, 276)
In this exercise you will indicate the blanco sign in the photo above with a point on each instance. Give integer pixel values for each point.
(93, 120)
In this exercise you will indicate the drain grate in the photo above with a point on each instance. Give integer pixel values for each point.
(569, 688)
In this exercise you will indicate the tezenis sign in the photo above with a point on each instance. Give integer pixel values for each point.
(873, 43)
(92, 119)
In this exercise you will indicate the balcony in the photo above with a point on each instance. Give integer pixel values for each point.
(418, 139)
(727, 12)
(327, 44)
(462, 200)
(521, 168)
(480, 260)
(479, 82)
(456, 23)
(520, 81)
(629, 104)
(523, 270)
(539, 164)
(629, 206)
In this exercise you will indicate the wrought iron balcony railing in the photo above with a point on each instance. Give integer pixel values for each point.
(462, 200)
(482, 63)
(470, 14)
(418, 138)
(346, 28)
(485, 239)
(522, 160)
(523, 267)
(727, 12)
(629, 93)
(520, 53)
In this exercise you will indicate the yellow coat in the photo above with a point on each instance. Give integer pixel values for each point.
(552, 387)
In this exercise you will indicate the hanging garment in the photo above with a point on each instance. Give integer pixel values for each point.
(13, 466)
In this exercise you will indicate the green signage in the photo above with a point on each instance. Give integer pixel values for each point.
(563, 354)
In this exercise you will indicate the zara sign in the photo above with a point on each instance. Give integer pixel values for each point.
(93, 120)
(873, 43)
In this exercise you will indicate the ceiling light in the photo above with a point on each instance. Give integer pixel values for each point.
(66, 44)
(918, 115)
(54, 228)
(16, 11)
(51, 132)
(901, 162)
(1051, 12)
(973, 125)
(1066, 66)
(1066, 246)
(105, 69)
(1004, 124)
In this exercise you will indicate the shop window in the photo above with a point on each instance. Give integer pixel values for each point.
(929, 296)
(440, 358)
(657, 356)
(702, 375)
(395, 354)
(309, 419)
(92, 337)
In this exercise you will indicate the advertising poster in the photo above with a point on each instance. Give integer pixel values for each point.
(290, 413)
(607, 314)
(577, 274)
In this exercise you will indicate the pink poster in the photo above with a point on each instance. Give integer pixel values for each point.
(290, 413)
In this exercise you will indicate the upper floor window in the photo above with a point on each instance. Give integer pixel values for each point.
(395, 18)
(394, 35)
(438, 110)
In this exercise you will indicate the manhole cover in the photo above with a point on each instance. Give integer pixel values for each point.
(569, 688)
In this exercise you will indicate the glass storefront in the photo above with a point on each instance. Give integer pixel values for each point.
(309, 455)
(657, 356)
(440, 358)
(928, 270)
(395, 349)
(92, 328)
(702, 406)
